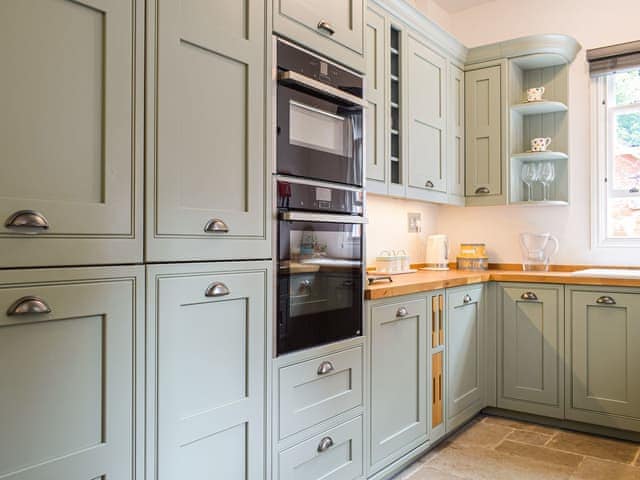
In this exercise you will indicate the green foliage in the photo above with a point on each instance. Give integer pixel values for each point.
(628, 129)
(627, 91)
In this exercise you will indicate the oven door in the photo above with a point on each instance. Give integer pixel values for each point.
(319, 287)
(318, 137)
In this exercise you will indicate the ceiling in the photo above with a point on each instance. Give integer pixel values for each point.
(453, 6)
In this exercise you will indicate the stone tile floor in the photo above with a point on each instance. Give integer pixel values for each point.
(494, 448)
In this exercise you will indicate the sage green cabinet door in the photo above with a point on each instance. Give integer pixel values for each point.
(426, 104)
(70, 132)
(333, 28)
(531, 349)
(208, 129)
(208, 336)
(455, 151)
(399, 373)
(69, 375)
(483, 132)
(375, 59)
(465, 354)
(602, 347)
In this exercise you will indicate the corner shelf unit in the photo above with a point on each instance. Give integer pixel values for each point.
(546, 118)
(395, 140)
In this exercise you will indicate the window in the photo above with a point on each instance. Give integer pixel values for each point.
(617, 161)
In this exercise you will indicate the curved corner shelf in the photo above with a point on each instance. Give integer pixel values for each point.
(544, 106)
(548, 155)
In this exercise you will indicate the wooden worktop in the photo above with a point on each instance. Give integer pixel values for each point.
(423, 281)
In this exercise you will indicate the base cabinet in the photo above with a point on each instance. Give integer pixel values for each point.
(206, 358)
(398, 383)
(71, 342)
(603, 357)
(531, 348)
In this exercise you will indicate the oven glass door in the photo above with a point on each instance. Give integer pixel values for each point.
(320, 271)
(318, 138)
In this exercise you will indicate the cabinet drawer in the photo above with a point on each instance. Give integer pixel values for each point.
(68, 372)
(336, 454)
(316, 390)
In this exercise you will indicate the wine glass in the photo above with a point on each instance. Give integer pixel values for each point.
(546, 176)
(530, 174)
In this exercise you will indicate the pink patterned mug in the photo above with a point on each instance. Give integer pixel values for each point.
(540, 144)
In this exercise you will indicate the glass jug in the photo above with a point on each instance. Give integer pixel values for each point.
(537, 249)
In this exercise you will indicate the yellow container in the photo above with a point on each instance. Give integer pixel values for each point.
(472, 250)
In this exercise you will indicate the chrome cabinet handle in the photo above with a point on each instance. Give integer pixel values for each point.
(28, 305)
(529, 296)
(216, 225)
(484, 190)
(634, 190)
(428, 184)
(326, 26)
(217, 289)
(325, 444)
(402, 312)
(28, 220)
(325, 367)
(606, 300)
(466, 299)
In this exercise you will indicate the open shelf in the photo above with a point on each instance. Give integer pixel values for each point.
(541, 203)
(543, 106)
(540, 156)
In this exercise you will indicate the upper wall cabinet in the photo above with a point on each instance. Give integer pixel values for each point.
(456, 144)
(70, 131)
(206, 156)
(333, 28)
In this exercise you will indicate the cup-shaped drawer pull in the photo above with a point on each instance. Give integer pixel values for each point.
(27, 221)
(325, 444)
(28, 305)
(467, 299)
(605, 300)
(483, 190)
(529, 296)
(325, 367)
(216, 225)
(217, 289)
(326, 27)
(402, 312)
(428, 184)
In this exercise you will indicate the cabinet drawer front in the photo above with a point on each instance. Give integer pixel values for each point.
(67, 378)
(604, 352)
(336, 454)
(307, 396)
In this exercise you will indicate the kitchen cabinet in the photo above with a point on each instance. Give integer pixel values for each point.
(207, 186)
(71, 132)
(464, 343)
(603, 356)
(71, 370)
(531, 348)
(484, 162)
(426, 81)
(334, 29)
(455, 168)
(398, 331)
(207, 369)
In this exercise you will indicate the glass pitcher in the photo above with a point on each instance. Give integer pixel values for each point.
(537, 249)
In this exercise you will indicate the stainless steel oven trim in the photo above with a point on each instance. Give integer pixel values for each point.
(316, 110)
(317, 183)
(313, 84)
(322, 217)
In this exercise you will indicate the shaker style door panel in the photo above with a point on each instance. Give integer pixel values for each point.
(208, 335)
(531, 346)
(68, 343)
(375, 55)
(483, 128)
(426, 105)
(398, 364)
(455, 152)
(207, 181)
(602, 346)
(70, 132)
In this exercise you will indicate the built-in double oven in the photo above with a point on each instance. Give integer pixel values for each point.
(319, 201)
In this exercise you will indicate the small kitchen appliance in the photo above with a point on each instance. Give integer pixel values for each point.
(537, 249)
(437, 252)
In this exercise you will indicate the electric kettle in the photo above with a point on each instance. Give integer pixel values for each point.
(537, 249)
(437, 252)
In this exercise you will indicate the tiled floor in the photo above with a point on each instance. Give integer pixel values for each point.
(494, 448)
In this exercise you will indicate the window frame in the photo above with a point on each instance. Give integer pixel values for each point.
(602, 147)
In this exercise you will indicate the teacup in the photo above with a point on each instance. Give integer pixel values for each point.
(535, 94)
(540, 144)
